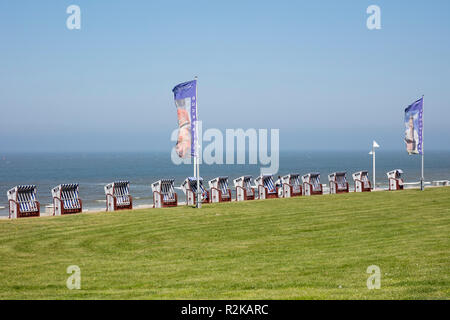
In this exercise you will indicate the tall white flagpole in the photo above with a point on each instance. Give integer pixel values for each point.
(373, 167)
(422, 182)
(195, 167)
(374, 145)
(197, 147)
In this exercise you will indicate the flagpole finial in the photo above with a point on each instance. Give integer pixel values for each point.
(375, 144)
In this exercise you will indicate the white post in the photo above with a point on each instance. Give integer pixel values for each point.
(195, 167)
(374, 175)
(197, 147)
(373, 168)
(422, 182)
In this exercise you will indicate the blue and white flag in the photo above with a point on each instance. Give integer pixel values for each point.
(414, 127)
(185, 95)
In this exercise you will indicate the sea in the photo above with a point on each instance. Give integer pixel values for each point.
(94, 170)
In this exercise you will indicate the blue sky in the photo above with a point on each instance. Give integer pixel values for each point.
(309, 68)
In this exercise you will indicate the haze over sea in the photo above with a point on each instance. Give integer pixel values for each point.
(93, 170)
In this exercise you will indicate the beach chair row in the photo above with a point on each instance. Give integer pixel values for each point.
(66, 200)
(23, 201)
(264, 187)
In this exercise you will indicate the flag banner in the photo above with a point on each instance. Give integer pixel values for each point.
(414, 127)
(186, 103)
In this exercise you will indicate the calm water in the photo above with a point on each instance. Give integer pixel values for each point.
(93, 170)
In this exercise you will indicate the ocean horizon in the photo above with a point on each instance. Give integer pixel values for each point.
(94, 170)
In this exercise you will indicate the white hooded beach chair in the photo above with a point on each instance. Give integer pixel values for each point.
(338, 182)
(311, 184)
(266, 187)
(291, 185)
(23, 202)
(164, 194)
(395, 179)
(118, 196)
(244, 188)
(189, 187)
(66, 199)
(219, 190)
(362, 182)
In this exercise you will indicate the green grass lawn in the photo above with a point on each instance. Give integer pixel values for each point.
(300, 248)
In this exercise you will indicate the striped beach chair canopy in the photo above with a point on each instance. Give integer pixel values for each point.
(68, 193)
(220, 183)
(293, 179)
(339, 178)
(395, 174)
(166, 188)
(314, 179)
(191, 184)
(267, 182)
(358, 175)
(361, 175)
(244, 182)
(121, 190)
(25, 196)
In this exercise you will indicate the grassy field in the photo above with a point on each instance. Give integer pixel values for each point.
(301, 248)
